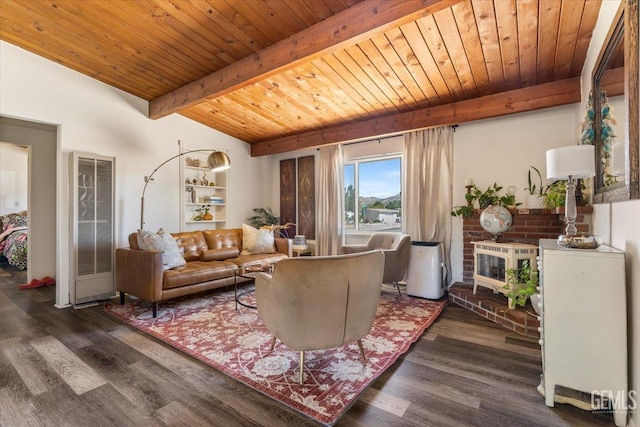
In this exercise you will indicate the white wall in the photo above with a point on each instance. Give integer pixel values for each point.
(617, 223)
(96, 118)
(13, 178)
(500, 151)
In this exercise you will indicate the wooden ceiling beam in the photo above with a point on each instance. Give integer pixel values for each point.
(546, 95)
(357, 23)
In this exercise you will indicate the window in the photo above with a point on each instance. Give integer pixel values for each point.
(372, 194)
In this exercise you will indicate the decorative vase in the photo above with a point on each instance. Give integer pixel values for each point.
(207, 216)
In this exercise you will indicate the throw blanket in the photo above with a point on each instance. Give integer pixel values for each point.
(13, 240)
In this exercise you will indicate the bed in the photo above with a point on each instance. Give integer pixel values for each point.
(13, 239)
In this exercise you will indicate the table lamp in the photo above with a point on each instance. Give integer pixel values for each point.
(571, 163)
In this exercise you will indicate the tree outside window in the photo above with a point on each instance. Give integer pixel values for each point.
(373, 194)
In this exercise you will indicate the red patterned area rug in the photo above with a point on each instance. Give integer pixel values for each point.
(236, 342)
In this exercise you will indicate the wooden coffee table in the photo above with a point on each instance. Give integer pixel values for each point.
(248, 272)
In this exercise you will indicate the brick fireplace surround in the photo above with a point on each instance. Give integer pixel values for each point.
(529, 225)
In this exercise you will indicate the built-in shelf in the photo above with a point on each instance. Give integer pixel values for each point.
(212, 187)
(194, 196)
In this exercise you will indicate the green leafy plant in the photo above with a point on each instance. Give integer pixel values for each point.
(462, 211)
(522, 283)
(542, 189)
(485, 198)
(556, 196)
(202, 211)
(263, 216)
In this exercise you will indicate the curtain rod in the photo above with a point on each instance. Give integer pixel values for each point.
(383, 138)
(373, 139)
(387, 137)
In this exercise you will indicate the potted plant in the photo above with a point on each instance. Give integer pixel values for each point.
(262, 217)
(485, 198)
(522, 284)
(203, 214)
(557, 192)
(536, 197)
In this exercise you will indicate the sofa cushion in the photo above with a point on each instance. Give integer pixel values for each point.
(223, 238)
(197, 272)
(192, 243)
(257, 241)
(163, 242)
(219, 254)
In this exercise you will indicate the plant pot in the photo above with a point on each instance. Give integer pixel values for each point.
(207, 216)
(535, 301)
(534, 201)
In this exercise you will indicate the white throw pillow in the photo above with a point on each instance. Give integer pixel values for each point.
(164, 242)
(257, 241)
(141, 244)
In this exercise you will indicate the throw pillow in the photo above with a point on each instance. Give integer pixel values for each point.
(255, 241)
(141, 244)
(164, 242)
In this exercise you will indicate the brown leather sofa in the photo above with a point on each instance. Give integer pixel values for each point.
(212, 258)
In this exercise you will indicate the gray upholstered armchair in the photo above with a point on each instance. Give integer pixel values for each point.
(314, 303)
(396, 248)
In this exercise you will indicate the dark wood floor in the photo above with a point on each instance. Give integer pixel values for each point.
(82, 368)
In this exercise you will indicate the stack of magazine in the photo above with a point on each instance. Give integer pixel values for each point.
(214, 200)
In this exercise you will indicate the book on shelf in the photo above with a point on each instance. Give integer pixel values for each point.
(213, 200)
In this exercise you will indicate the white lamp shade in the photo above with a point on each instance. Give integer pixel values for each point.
(617, 159)
(577, 161)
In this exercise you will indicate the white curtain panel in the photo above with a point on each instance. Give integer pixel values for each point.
(428, 186)
(330, 201)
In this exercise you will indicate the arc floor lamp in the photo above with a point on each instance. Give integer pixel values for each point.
(217, 161)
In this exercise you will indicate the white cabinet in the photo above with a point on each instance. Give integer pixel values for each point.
(583, 332)
(202, 190)
(92, 227)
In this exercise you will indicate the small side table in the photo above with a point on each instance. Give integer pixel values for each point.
(303, 252)
(248, 272)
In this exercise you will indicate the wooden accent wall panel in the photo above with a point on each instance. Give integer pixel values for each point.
(306, 197)
(288, 193)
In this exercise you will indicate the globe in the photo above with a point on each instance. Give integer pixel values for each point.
(496, 219)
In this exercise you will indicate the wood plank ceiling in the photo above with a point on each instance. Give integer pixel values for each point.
(289, 74)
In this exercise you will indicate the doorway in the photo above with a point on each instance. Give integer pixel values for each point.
(14, 166)
(41, 141)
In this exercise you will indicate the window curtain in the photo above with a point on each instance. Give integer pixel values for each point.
(330, 201)
(428, 187)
